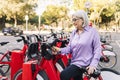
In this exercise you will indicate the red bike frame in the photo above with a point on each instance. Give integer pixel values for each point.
(17, 59)
(31, 69)
(48, 67)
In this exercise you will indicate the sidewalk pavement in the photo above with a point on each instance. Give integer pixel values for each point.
(1, 33)
(32, 32)
(47, 32)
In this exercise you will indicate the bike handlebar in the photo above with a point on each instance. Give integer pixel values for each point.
(95, 74)
(3, 43)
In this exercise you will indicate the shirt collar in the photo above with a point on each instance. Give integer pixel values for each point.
(86, 28)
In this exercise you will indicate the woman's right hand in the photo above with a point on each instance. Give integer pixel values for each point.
(55, 50)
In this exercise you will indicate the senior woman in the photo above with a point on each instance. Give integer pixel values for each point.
(84, 45)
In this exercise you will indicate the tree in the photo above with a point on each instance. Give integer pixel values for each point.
(100, 9)
(117, 14)
(54, 14)
(79, 4)
(16, 9)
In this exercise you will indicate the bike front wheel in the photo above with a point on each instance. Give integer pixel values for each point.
(18, 75)
(1, 73)
(109, 60)
(4, 67)
(42, 75)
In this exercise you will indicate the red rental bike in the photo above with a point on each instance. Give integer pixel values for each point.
(47, 58)
(12, 59)
(30, 40)
(42, 65)
(61, 40)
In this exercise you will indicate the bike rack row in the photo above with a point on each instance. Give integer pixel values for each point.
(29, 67)
(17, 62)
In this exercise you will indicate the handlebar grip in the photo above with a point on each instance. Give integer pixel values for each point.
(3, 43)
(95, 74)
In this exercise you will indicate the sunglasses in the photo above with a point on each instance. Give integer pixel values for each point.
(74, 19)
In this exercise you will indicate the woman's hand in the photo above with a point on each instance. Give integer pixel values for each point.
(55, 50)
(91, 69)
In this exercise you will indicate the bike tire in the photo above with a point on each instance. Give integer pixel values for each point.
(4, 67)
(60, 65)
(18, 75)
(110, 74)
(112, 60)
(1, 73)
(42, 75)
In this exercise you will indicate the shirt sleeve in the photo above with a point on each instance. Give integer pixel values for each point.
(65, 50)
(96, 49)
(68, 49)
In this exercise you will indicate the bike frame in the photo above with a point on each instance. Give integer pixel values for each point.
(48, 65)
(31, 69)
(17, 59)
(52, 73)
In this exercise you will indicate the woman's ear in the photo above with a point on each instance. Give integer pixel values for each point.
(83, 24)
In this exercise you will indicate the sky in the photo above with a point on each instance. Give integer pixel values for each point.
(43, 3)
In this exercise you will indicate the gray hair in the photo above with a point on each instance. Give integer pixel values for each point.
(82, 14)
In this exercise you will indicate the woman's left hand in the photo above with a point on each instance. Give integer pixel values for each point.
(91, 69)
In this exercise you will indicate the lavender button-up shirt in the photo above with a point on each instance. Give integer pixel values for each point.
(85, 47)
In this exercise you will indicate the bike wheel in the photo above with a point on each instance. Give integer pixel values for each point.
(110, 61)
(60, 65)
(110, 74)
(4, 67)
(42, 75)
(18, 75)
(1, 73)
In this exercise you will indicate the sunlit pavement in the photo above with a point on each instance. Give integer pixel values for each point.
(36, 32)
(33, 32)
(1, 33)
(47, 32)
(109, 76)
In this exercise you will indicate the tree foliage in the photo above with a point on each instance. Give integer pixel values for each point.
(54, 14)
(100, 11)
(103, 10)
(16, 9)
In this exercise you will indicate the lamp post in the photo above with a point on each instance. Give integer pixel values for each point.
(39, 21)
(87, 6)
(26, 18)
(41, 8)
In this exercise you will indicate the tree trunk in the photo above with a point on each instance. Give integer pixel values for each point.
(15, 21)
(2, 22)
